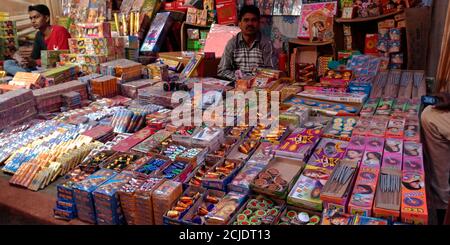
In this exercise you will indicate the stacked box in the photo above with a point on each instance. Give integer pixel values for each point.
(28, 80)
(105, 87)
(65, 205)
(107, 205)
(136, 200)
(16, 106)
(126, 70)
(89, 53)
(50, 58)
(50, 100)
(163, 199)
(299, 144)
(60, 74)
(84, 194)
(9, 41)
(131, 89)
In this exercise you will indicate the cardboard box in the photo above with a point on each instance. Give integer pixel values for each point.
(164, 197)
(278, 177)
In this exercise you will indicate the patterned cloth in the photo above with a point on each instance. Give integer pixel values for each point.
(238, 56)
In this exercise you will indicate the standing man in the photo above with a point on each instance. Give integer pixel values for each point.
(48, 37)
(248, 50)
(435, 125)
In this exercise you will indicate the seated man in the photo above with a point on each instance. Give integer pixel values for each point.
(49, 37)
(248, 50)
(435, 124)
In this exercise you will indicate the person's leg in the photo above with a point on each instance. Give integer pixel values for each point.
(11, 67)
(436, 128)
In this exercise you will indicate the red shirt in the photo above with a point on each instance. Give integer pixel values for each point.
(58, 39)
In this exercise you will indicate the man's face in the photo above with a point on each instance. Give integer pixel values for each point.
(249, 24)
(38, 20)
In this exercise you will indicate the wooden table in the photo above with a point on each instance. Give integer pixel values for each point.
(27, 206)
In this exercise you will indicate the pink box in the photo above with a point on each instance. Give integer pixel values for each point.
(357, 142)
(393, 154)
(413, 163)
(375, 144)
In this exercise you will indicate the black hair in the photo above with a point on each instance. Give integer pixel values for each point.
(409, 185)
(249, 9)
(376, 154)
(41, 8)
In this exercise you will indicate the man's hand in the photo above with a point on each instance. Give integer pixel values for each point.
(444, 102)
(28, 62)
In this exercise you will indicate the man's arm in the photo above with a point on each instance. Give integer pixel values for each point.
(268, 55)
(226, 67)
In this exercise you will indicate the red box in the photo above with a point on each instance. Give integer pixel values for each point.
(136, 138)
(363, 195)
(226, 12)
(371, 44)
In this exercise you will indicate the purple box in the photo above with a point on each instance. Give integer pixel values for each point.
(328, 153)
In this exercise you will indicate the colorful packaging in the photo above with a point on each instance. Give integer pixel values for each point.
(363, 195)
(393, 154)
(306, 192)
(299, 144)
(328, 153)
(414, 208)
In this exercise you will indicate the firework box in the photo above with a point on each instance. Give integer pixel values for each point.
(307, 189)
(390, 212)
(83, 194)
(226, 12)
(222, 184)
(136, 138)
(393, 154)
(49, 58)
(163, 199)
(94, 30)
(413, 157)
(107, 206)
(158, 30)
(299, 144)
(241, 183)
(334, 200)
(328, 153)
(224, 211)
(363, 194)
(131, 89)
(187, 193)
(414, 208)
(288, 168)
(190, 217)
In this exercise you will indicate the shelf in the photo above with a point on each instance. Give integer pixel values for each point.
(308, 43)
(359, 19)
